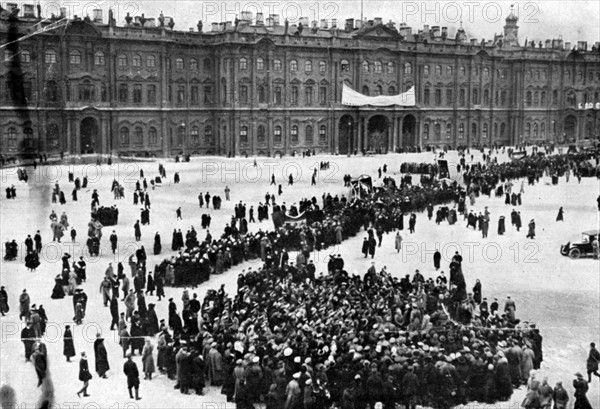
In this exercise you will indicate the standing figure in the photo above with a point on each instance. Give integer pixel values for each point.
(84, 375)
(69, 346)
(130, 370)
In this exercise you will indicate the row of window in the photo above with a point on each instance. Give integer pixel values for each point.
(449, 133)
(138, 136)
(541, 75)
(277, 134)
(500, 97)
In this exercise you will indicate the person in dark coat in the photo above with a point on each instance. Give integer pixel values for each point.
(27, 335)
(157, 244)
(137, 231)
(152, 321)
(501, 226)
(437, 257)
(150, 287)
(531, 231)
(3, 301)
(84, 375)
(40, 361)
(101, 357)
(69, 346)
(372, 246)
(477, 292)
(365, 247)
(581, 388)
(114, 312)
(592, 362)
(559, 217)
(130, 370)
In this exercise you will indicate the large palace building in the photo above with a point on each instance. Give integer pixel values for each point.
(261, 86)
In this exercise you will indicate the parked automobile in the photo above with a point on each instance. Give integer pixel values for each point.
(583, 248)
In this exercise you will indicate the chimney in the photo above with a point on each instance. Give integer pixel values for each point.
(349, 26)
(568, 46)
(473, 41)
(377, 21)
(275, 19)
(315, 24)
(358, 24)
(444, 32)
(334, 23)
(150, 23)
(548, 44)
(391, 24)
(323, 25)
(435, 31)
(215, 27)
(269, 21)
(228, 26)
(28, 10)
(222, 26)
(259, 19)
(582, 45)
(304, 22)
(426, 29)
(97, 13)
(63, 12)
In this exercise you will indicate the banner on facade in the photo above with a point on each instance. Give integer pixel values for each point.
(356, 99)
(589, 105)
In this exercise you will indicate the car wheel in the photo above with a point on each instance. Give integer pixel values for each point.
(575, 253)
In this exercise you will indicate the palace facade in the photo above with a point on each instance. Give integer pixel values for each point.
(260, 86)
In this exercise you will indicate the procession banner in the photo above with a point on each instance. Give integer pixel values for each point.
(356, 99)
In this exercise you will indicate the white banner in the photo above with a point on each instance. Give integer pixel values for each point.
(356, 99)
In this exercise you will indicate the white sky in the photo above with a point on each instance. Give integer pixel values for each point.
(538, 20)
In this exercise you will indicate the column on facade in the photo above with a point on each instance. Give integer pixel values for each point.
(401, 142)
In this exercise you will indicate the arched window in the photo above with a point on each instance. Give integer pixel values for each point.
(295, 94)
(449, 71)
(438, 70)
(485, 130)
(28, 140)
(426, 131)
(262, 98)
(544, 99)
(180, 135)
(294, 134)
(224, 92)
(495, 134)
(427, 96)
(277, 135)
(528, 130)
(378, 67)
(138, 135)
(260, 134)
(392, 90)
(75, 57)
(243, 64)
(277, 65)
(136, 61)
(426, 70)
(99, 58)
(535, 130)
(208, 136)
(543, 130)
(378, 90)
(345, 66)
(293, 65)
(308, 66)
(391, 67)
(122, 60)
(474, 130)
(437, 131)
(502, 129)
(461, 130)
(11, 138)
(87, 91)
(536, 98)
(152, 136)
(323, 133)
(193, 64)
(52, 136)
(195, 135)
(50, 57)
(475, 97)
(365, 90)
(179, 63)
(365, 67)
(486, 73)
(124, 136)
(51, 91)
(571, 98)
(207, 64)
(150, 61)
(25, 57)
(308, 134)
(244, 134)
(528, 98)
(486, 97)
(260, 64)
(448, 131)
(463, 71)
(322, 67)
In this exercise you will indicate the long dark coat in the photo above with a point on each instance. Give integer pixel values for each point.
(69, 346)
(101, 355)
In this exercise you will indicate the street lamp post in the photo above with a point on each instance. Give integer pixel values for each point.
(185, 138)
